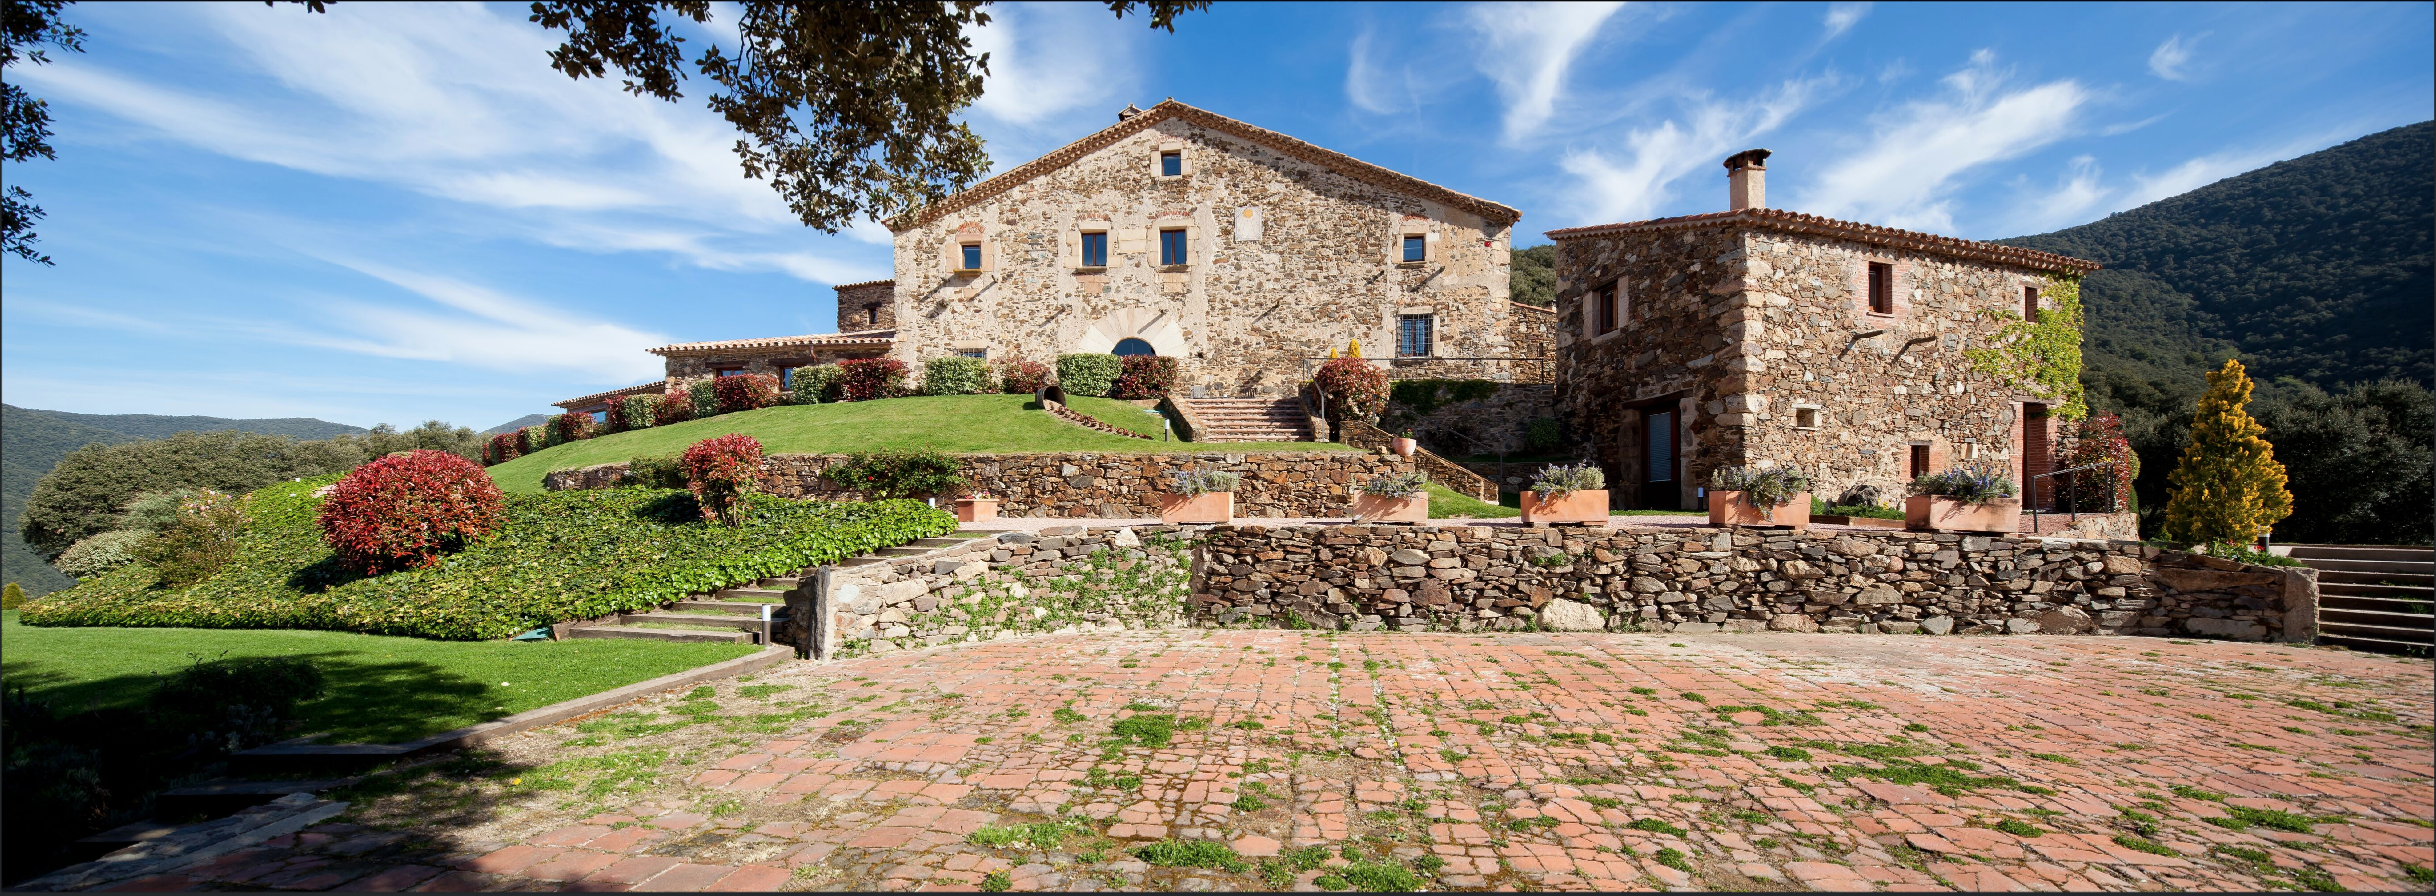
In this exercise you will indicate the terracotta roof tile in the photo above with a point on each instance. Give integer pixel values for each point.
(1797, 222)
(847, 286)
(877, 338)
(1072, 152)
(654, 387)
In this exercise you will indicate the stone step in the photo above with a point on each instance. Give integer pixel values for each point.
(2380, 604)
(936, 542)
(662, 634)
(755, 595)
(2408, 579)
(721, 620)
(2362, 552)
(780, 583)
(738, 608)
(2404, 567)
(2378, 638)
(2406, 592)
(2400, 621)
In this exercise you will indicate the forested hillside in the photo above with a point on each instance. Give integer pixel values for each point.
(2319, 273)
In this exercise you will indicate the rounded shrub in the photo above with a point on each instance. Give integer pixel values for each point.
(533, 438)
(868, 379)
(956, 375)
(202, 537)
(94, 555)
(405, 511)
(1021, 377)
(1088, 375)
(1146, 376)
(503, 447)
(1355, 389)
(721, 472)
(573, 426)
(705, 394)
(813, 385)
(674, 407)
(636, 412)
(745, 392)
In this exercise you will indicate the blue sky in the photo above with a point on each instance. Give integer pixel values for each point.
(396, 212)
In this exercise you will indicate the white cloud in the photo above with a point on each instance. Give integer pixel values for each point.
(1842, 16)
(2071, 201)
(2208, 169)
(1050, 60)
(1912, 161)
(1527, 51)
(2169, 59)
(490, 330)
(1366, 86)
(1637, 185)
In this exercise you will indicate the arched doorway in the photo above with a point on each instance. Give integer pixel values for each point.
(1132, 346)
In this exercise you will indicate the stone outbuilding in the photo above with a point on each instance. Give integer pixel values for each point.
(1762, 337)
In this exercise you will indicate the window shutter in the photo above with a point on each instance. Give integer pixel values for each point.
(1661, 446)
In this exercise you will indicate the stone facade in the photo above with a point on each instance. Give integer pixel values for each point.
(1707, 580)
(1752, 337)
(866, 307)
(1121, 486)
(689, 362)
(1290, 250)
(1485, 426)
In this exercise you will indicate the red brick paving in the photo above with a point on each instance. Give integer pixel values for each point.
(1525, 761)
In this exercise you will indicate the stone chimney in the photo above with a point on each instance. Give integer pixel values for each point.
(1128, 112)
(1747, 179)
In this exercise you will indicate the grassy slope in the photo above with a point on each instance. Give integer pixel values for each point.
(383, 689)
(955, 423)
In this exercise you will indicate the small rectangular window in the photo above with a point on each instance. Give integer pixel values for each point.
(975, 353)
(1171, 164)
(1095, 250)
(1414, 333)
(2030, 304)
(972, 258)
(729, 371)
(871, 314)
(1881, 288)
(1610, 308)
(1416, 248)
(1920, 461)
(600, 416)
(786, 377)
(1806, 418)
(1172, 247)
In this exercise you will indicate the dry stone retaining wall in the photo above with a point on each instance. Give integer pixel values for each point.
(1706, 580)
(1061, 580)
(1298, 484)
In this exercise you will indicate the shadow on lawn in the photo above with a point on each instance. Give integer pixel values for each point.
(368, 700)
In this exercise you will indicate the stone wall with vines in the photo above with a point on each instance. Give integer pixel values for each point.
(1062, 580)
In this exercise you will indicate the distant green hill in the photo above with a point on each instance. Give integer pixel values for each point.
(518, 423)
(33, 441)
(2321, 269)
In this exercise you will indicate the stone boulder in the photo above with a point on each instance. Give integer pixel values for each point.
(2065, 621)
(1938, 625)
(1571, 616)
(1860, 496)
(2236, 629)
(1792, 622)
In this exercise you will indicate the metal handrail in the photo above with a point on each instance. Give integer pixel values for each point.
(2071, 490)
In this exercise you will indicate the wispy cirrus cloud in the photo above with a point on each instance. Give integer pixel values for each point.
(1915, 157)
(1842, 16)
(1371, 87)
(1634, 183)
(1528, 49)
(1040, 77)
(475, 325)
(2171, 60)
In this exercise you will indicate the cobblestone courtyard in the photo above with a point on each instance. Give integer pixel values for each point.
(1850, 762)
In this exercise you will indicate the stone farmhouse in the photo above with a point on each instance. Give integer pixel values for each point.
(1243, 252)
(1761, 337)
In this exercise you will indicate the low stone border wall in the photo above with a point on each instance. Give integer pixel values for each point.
(1061, 580)
(1705, 580)
(2114, 526)
(1120, 486)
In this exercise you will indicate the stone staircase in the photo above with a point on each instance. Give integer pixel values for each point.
(1249, 419)
(2374, 597)
(744, 614)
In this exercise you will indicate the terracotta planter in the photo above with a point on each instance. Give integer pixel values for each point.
(1935, 513)
(1378, 509)
(1401, 446)
(1215, 507)
(1574, 507)
(974, 510)
(1730, 508)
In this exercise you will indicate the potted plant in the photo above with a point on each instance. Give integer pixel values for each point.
(976, 507)
(1403, 444)
(1400, 498)
(1778, 496)
(1567, 493)
(1970, 497)
(1201, 496)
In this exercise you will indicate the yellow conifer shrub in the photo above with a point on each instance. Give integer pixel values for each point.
(2228, 489)
(1354, 350)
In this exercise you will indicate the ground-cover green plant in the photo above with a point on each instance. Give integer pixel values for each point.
(1120, 414)
(1192, 854)
(558, 556)
(899, 474)
(1444, 503)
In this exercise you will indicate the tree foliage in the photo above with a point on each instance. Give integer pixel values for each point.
(85, 493)
(2228, 488)
(1532, 278)
(29, 26)
(848, 108)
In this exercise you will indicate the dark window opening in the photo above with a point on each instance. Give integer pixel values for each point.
(1610, 310)
(1129, 347)
(1414, 334)
(1172, 247)
(1171, 164)
(972, 257)
(1416, 248)
(1881, 288)
(1661, 448)
(1920, 461)
(1095, 250)
(2030, 304)
(871, 313)
(786, 377)
(727, 371)
(974, 353)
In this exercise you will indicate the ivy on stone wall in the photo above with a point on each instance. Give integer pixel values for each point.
(2042, 356)
(1123, 583)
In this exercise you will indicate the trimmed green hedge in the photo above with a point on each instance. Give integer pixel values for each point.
(560, 556)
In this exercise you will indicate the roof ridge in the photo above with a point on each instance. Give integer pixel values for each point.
(858, 338)
(1803, 222)
(1170, 108)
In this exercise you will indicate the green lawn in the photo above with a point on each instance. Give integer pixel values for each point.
(964, 424)
(1122, 415)
(382, 689)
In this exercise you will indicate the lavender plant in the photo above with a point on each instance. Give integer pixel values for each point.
(1971, 483)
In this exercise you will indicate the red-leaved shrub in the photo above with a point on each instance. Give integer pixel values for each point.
(407, 509)
(872, 378)
(503, 447)
(1355, 389)
(720, 472)
(745, 392)
(533, 438)
(676, 407)
(575, 426)
(1021, 377)
(1146, 376)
